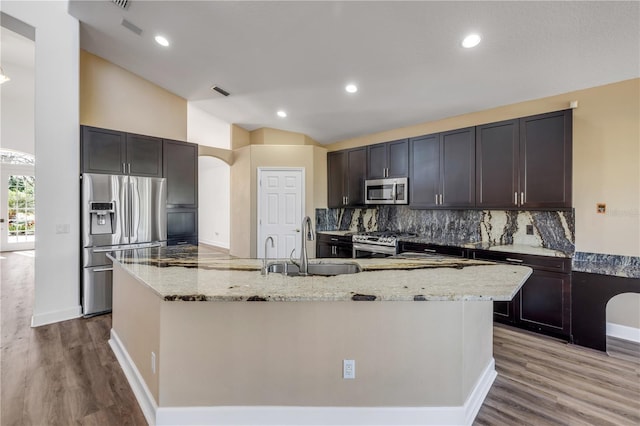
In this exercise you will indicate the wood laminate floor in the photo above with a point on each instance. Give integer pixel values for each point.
(66, 374)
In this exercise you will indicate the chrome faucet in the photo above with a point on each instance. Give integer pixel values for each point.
(310, 236)
(264, 259)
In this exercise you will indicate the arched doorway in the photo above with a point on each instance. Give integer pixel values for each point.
(17, 192)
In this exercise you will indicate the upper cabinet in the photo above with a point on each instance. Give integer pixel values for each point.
(346, 172)
(545, 160)
(442, 170)
(181, 171)
(113, 152)
(525, 163)
(388, 160)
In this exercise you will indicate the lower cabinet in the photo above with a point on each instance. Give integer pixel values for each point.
(432, 248)
(543, 304)
(182, 226)
(334, 246)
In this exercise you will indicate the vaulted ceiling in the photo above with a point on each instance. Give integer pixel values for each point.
(405, 57)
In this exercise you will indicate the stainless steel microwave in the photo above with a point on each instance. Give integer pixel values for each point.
(386, 191)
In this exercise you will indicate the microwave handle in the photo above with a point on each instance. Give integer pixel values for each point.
(395, 192)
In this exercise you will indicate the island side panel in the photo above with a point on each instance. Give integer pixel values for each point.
(478, 330)
(136, 321)
(290, 353)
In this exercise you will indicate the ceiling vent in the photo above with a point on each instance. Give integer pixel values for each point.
(121, 3)
(220, 90)
(131, 26)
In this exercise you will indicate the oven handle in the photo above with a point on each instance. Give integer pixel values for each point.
(371, 248)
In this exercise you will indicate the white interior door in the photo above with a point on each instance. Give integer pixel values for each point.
(17, 207)
(280, 199)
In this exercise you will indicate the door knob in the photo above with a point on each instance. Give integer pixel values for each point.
(1, 220)
(297, 230)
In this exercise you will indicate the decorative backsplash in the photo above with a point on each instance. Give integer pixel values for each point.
(551, 229)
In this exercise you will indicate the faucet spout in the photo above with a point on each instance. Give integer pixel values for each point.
(307, 235)
(264, 259)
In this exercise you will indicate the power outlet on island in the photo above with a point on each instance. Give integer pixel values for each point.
(529, 229)
(348, 369)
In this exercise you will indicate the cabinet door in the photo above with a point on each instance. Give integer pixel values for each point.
(503, 311)
(356, 174)
(336, 166)
(181, 171)
(424, 171)
(324, 250)
(377, 161)
(497, 165)
(182, 224)
(457, 168)
(144, 156)
(398, 158)
(103, 151)
(544, 303)
(545, 160)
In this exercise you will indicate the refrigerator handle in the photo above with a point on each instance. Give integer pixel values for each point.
(134, 215)
(125, 211)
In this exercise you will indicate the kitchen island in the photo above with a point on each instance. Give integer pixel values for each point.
(195, 352)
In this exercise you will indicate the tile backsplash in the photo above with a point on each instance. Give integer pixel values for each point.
(551, 229)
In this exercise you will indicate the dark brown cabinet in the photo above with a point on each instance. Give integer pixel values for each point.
(336, 246)
(432, 249)
(114, 152)
(543, 304)
(346, 172)
(545, 160)
(525, 163)
(497, 164)
(442, 170)
(181, 171)
(388, 160)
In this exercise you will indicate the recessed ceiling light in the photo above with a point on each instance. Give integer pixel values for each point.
(162, 41)
(472, 40)
(281, 114)
(351, 88)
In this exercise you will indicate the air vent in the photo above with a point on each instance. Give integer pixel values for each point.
(220, 90)
(121, 3)
(131, 26)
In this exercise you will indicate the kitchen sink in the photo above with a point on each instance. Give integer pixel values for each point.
(325, 269)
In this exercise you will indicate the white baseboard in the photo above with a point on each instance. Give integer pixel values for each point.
(140, 390)
(55, 316)
(623, 332)
(289, 415)
(214, 244)
(286, 415)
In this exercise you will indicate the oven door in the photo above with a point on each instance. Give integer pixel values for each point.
(361, 250)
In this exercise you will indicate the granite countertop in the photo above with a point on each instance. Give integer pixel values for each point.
(507, 248)
(190, 275)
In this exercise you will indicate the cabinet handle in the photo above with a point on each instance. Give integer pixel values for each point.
(334, 239)
(429, 250)
(124, 168)
(436, 199)
(440, 199)
(515, 198)
(129, 167)
(522, 198)
(510, 259)
(347, 199)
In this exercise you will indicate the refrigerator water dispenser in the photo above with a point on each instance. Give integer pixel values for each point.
(101, 217)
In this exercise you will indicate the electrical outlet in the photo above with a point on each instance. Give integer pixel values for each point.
(348, 369)
(529, 229)
(601, 208)
(153, 362)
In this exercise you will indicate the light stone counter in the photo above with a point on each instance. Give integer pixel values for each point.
(189, 275)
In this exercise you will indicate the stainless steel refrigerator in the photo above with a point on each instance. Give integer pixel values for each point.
(118, 213)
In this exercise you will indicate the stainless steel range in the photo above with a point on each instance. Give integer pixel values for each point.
(377, 244)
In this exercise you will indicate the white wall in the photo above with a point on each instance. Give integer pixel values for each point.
(213, 176)
(17, 130)
(57, 265)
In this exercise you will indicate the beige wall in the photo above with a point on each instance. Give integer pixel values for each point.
(266, 150)
(114, 98)
(269, 136)
(290, 353)
(606, 158)
(624, 309)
